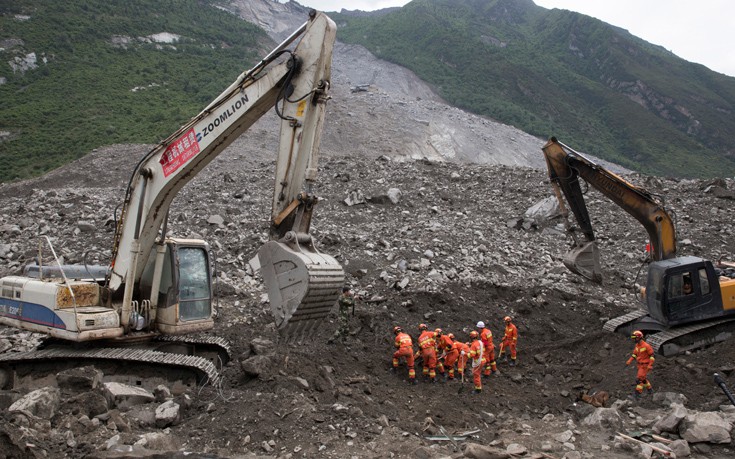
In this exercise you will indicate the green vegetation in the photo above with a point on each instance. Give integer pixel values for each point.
(83, 95)
(553, 72)
(547, 72)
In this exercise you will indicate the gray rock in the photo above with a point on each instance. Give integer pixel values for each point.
(256, 365)
(159, 441)
(79, 379)
(705, 427)
(670, 422)
(86, 226)
(168, 414)
(261, 346)
(123, 396)
(680, 448)
(669, 398)
(42, 403)
(605, 418)
(216, 220)
(90, 403)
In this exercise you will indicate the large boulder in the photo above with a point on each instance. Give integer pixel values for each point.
(42, 403)
(670, 422)
(605, 418)
(705, 427)
(123, 396)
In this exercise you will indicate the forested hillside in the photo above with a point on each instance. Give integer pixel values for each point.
(555, 72)
(87, 73)
(79, 74)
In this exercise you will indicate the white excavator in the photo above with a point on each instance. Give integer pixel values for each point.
(142, 309)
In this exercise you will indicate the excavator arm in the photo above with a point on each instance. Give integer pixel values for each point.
(297, 83)
(566, 167)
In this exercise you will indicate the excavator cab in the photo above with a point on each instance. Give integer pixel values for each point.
(183, 302)
(683, 290)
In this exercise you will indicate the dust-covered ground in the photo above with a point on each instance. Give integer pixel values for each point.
(455, 249)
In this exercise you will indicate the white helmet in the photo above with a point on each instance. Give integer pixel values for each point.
(480, 324)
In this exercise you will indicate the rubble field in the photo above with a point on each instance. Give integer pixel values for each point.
(422, 242)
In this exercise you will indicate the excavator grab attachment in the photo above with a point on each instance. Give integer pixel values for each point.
(584, 260)
(302, 283)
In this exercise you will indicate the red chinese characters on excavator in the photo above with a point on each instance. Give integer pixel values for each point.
(179, 152)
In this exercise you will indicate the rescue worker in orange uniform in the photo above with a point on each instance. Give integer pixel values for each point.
(486, 336)
(475, 355)
(509, 340)
(643, 355)
(452, 349)
(444, 343)
(427, 345)
(438, 333)
(464, 353)
(405, 350)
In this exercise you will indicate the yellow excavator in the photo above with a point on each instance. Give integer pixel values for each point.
(689, 301)
(144, 308)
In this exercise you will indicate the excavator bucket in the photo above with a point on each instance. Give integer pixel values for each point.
(584, 260)
(303, 285)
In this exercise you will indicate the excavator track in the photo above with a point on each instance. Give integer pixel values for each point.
(613, 325)
(685, 338)
(215, 349)
(170, 362)
(675, 340)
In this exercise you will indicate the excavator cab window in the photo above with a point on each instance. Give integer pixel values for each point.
(680, 285)
(703, 281)
(195, 298)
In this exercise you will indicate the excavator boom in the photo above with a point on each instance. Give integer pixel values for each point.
(688, 300)
(566, 167)
(298, 86)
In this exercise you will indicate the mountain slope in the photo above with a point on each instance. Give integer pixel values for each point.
(561, 73)
(90, 73)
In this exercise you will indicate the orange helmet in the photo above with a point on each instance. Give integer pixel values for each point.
(507, 318)
(451, 336)
(423, 327)
(397, 330)
(636, 334)
(438, 331)
(474, 334)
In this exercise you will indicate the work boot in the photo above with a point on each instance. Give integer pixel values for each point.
(392, 369)
(413, 381)
(513, 362)
(635, 397)
(477, 391)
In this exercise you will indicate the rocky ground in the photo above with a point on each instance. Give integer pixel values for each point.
(453, 250)
(456, 247)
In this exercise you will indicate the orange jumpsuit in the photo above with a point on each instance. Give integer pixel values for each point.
(475, 354)
(452, 356)
(405, 349)
(464, 353)
(427, 344)
(643, 355)
(443, 345)
(487, 341)
(509, 340)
